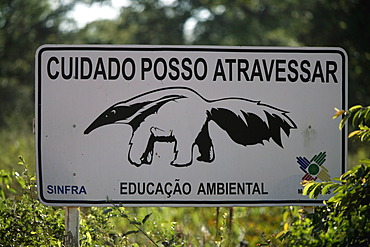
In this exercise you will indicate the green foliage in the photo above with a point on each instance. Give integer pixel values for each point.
(26, 222)
(6, 179)
(14, 142)
(360, 117)
(341, 23)
(193, 226)
(250, 22)
(269, 22)
(344, 221)
(24, 26)
(143, 22)
(97, 228)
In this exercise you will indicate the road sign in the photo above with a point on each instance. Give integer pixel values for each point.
(187, 125)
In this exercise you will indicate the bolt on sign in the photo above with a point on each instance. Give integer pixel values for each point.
(187, 125)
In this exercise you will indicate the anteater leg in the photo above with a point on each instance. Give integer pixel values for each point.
(183, 151)
(141, 148)
(205, 145)
(147, 156)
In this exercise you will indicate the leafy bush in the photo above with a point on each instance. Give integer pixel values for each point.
(345, 220)
(23, 220)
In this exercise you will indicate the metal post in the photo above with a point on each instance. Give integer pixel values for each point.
(72, 222)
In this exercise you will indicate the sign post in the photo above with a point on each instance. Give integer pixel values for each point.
(72, 224)
(187, 125)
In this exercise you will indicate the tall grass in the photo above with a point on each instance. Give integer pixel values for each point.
(17, 139)
(205, 226)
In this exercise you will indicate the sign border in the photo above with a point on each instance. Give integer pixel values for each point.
(178, 203)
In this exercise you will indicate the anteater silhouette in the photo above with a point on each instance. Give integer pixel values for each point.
(181, 115)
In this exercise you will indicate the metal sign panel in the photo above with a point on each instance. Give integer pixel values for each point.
(187, 125)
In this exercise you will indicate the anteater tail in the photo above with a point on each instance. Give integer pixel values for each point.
(250, 128)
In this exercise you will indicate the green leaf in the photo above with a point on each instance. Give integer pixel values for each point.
(326, 188)
(22, 182)
(307, 188)
(367, 111)
(355, 107)
(338, 189)
(135, 222)
(365, 136)
(286, 215)
(129, 232)
(282, 234)
(367, 115)
(315, 191)
(343, 122)
(356, 118)
(333, 200)
(107, 211)
(12, 190)
(89, 238)
(2, 194)
(146, 218)
(365, 161)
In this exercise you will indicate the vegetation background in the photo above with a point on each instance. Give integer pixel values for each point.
(27, 24)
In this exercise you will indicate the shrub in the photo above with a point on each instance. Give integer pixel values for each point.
(344, 221)
(23, 220)
(345, 218)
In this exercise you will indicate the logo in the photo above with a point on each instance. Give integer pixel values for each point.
(314, 168)
(181, 116)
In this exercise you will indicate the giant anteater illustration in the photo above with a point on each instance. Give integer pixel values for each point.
(182, 116)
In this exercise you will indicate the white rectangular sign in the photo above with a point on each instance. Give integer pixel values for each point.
(187, 125)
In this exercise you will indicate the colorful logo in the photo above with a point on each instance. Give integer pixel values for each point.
(314, 168)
